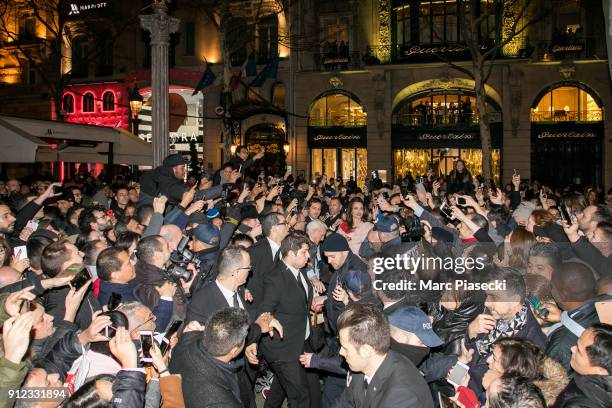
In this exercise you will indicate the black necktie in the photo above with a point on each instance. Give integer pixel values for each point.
(235, 300)
(299, 280)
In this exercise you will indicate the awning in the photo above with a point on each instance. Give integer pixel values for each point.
(31, 140)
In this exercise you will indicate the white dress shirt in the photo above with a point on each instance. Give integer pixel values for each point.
(229, 295)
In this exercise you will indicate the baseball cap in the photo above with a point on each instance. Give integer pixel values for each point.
(174, 160)
(387, 224)
(414, 320)
(207, 233)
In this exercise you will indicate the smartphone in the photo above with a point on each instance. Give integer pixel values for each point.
(113, 301)
(538, 307)
(20, 252)
(32, 224)
(565, 214)
(146, 342)
(461, 201)
(457, 373)
(165, 342)
(81, 277)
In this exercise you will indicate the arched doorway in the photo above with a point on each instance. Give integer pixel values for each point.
(567, 132)
(272, 137)
(337, 136)
(435, 123)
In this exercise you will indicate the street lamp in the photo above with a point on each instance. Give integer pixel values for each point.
(135, 107)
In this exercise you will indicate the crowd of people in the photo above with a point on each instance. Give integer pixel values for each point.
(238, 289)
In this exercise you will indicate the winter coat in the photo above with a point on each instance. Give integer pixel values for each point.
(586, 391)
(561, 340)
(207, 382)
(554, 380)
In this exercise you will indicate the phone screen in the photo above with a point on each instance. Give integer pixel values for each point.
(457, 374)
(146, 342)
(81, 278)
(113, 301)
(166, 339)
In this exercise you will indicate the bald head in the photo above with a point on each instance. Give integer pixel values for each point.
(173, 235)
(573, 283)
(8, 276)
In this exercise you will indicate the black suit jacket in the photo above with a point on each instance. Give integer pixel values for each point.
(397, 383)
(262, 262)
(208, 300)
(286, 300)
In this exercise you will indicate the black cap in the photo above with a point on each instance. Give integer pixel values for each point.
(174, 160)
(335, 243)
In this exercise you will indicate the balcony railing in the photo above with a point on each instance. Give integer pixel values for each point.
(333, 61)
(594, 115)
(447, 119)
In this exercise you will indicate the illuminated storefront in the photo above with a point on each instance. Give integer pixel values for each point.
(567, 131)
(186, 123)
(437, 127)
(337, 137)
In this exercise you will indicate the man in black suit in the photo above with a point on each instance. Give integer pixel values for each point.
(233, 270)
(380, 377)
(288, 295)
(264, 255)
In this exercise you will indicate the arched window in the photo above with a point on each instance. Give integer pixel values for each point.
(336, 109)
(278, 95)
(566, 103)
(108, 101)
(440, 108)
(68, 103)
(88, 102)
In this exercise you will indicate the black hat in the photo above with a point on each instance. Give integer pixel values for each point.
(335, 243)
(248, 211)
(174, 160)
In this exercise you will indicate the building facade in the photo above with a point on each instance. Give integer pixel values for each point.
(353, 86)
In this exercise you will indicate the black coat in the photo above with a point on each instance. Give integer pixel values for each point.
(262, 262)
(161, 180)
(287, 301)
(207, 382)
(333, 308)
(586, 391)
(55, 305)
(561, 340)
(397, 383)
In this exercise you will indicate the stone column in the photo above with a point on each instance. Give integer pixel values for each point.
(160, 25)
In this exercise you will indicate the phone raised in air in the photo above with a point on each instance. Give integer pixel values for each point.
(165, 341)
(81, 276)
(113, 301)
(146, 342)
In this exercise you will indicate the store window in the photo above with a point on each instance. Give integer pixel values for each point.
(442, 161)
(88, 102)
(108, 101)
(267, 38)
(567, 104)
(443, 108)
(336, 110)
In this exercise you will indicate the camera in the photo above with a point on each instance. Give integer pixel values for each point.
(414, 229)
(180, 259)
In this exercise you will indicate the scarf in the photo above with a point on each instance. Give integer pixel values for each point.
(503, 328)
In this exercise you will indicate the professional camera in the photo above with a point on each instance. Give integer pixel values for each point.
(414, 229)
(180, 259)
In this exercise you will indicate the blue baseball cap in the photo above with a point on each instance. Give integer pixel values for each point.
(413, 320)
(387, 224)
(207, 233)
